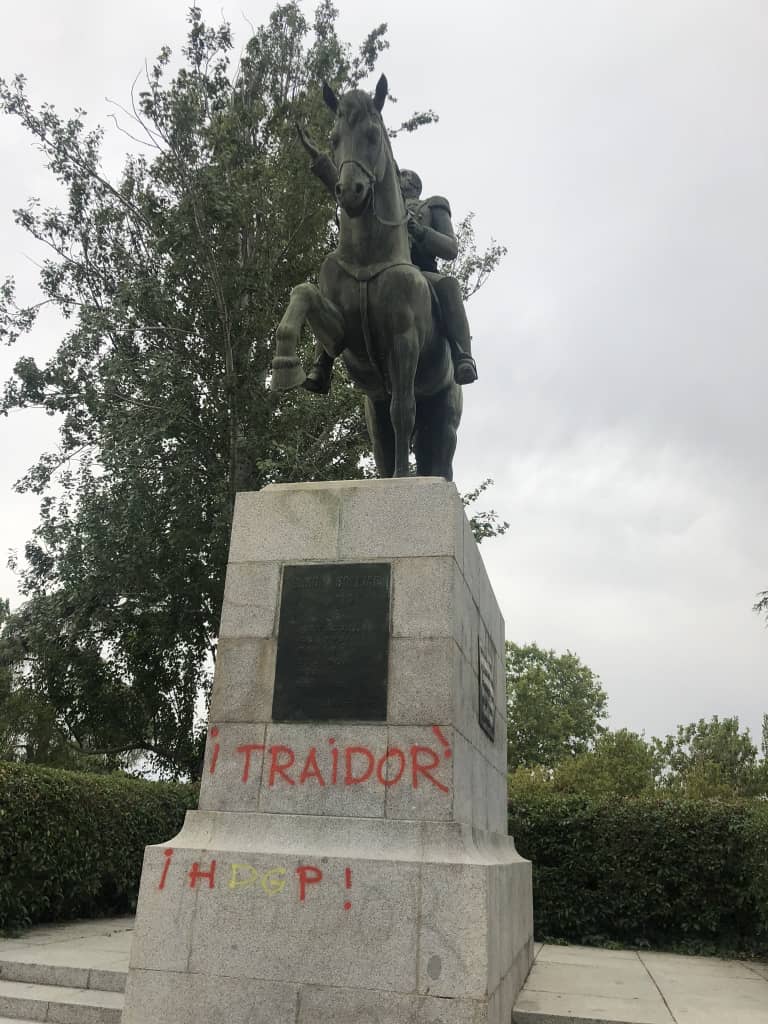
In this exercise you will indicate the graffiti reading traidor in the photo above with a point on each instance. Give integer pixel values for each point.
(328, 765)
(271, 881)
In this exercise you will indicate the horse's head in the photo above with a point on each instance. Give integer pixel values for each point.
(359, 144)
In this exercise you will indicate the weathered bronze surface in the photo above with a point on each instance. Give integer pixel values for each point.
(333, 643)
(374, 307)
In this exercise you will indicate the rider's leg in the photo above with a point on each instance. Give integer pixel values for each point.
(318, 380)
(457, 328)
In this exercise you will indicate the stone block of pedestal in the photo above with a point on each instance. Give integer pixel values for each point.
(349, 859)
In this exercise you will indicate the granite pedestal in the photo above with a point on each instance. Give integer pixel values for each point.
(352, 868)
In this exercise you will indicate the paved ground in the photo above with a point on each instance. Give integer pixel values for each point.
(584, 984)
(567, 983)
(92, 946)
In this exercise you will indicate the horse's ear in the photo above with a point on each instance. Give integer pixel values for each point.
(381, 93)
(330, 97)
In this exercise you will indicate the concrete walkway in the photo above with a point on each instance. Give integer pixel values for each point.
(567, 983)
(98, 947)
(578, 983)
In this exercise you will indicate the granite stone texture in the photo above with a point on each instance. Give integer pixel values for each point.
(345, 871)
(320, 1004)
(424, 680)
(246, 668)
(233, 768)
(250, 600)
(183, 998)
(334, 771)
(316, 901)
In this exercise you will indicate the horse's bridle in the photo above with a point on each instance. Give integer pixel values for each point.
(372, 181)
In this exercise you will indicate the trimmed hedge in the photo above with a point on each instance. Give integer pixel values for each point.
(658, 872)
(673, 873)
(71, 843)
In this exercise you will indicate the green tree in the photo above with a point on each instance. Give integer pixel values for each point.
(620, 764)
(8, 736)
(484, 524)
(473, 268)
(554, 706)
(709, 759)
(171, 281)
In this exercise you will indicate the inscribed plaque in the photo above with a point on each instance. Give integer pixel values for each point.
(333, 643)
(486, 698)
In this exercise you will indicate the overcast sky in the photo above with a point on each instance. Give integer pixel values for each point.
(620, 150)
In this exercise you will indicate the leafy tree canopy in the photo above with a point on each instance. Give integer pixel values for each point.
(710, 758)
(703, 761)
(619, 764)
(484, 524)
(555, 705)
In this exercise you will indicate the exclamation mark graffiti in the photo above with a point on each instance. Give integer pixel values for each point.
(348, 884)
(166, 866)
(446, 745)
(216, 749)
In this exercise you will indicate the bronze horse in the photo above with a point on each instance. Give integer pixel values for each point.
(373, 307)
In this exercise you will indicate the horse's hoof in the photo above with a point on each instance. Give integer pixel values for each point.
(287, 373)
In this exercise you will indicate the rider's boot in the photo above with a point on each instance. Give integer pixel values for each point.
(318, 380)
(457, 330)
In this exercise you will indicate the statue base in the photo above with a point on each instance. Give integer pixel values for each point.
(349, 861)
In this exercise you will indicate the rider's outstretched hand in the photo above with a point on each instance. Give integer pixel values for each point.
(307, 142)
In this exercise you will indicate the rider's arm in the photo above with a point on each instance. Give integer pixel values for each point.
(325, 170)
(319, 163)
(439, 240)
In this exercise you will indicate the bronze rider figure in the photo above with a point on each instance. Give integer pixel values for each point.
(432, 237)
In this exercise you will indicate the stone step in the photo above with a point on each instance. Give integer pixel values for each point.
(560, 1011)
(37, 973)
(59, 1004)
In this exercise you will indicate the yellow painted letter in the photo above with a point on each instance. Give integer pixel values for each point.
(273, 881)
(235, 882)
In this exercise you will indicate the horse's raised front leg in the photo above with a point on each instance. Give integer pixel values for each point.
(404, 356)
(307, 304)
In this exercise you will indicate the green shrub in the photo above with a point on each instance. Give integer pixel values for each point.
(650, 871)
(71, 843)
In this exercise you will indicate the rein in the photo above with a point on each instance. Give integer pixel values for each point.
(372, 182)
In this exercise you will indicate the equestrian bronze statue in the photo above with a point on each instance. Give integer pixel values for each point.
(380, 304)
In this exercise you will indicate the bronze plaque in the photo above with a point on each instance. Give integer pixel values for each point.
(486, 700)
(333, 643)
